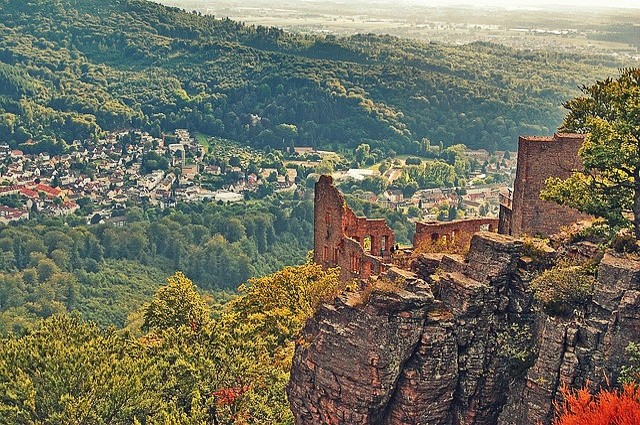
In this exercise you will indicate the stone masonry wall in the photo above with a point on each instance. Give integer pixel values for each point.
(538, 159)
(357, 244)
(504, 221)
(432, 231)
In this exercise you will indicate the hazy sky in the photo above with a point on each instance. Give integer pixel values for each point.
(537, 3)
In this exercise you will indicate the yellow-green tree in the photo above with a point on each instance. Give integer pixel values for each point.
(278, 305)
(176, 304)
(231, 370)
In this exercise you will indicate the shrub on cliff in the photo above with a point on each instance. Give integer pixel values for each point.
(598, 232)
(538, 250)
(624, 244)
(631, 371)
(460, 245)
(608, 407)
(562, 289)
(515, 343)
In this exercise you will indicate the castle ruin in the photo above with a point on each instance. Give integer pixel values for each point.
(437, 345)
(364, 247)
(538, 159)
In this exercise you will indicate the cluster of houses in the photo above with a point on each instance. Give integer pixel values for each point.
(478, 198)
(115, 172)
(38, 196)
(110, 175)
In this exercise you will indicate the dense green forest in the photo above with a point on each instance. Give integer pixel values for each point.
(70, 69)
(105, 272)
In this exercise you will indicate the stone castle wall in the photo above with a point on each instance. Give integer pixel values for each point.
(360, 246)
(363, 247)
(538, 159)
(432, 231)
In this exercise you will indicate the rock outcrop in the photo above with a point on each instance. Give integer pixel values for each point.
(446, 346)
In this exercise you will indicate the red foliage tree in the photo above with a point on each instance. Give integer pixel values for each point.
(606, 408)
(228, 396)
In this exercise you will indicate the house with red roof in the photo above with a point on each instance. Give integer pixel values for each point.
(66, 208)
(8, 215)
(9, 190)
(29, 193)
(51, 192)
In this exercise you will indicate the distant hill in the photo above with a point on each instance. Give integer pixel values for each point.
(70, 69)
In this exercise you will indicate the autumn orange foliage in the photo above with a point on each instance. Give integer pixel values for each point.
(609, 407)
(228, 396)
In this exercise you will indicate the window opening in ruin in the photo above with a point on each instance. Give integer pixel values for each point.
(366, 244)
(485, 227)
(383, 245)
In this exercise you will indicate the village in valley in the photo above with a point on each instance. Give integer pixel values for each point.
(97, 182)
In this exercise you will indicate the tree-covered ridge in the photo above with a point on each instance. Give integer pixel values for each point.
(186, 368)
(76, 67)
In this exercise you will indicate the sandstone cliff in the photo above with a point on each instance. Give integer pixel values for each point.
(461, 341)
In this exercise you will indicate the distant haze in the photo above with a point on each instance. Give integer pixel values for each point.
(519, 4)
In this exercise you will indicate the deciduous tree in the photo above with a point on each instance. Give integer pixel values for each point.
(609, 184)
(176, 304)
(608, 407)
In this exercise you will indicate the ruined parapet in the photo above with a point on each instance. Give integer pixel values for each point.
(364, 247)
(447, 232)
(540, 158)
(360, 246)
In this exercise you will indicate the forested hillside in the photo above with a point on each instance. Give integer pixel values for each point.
(176, 364)
(106, 272)
(72, 68)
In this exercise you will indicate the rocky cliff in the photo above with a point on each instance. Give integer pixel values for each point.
(460, 341)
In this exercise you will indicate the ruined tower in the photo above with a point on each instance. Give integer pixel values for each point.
(538, 159)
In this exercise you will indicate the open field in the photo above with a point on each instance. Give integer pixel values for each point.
(603, 31)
